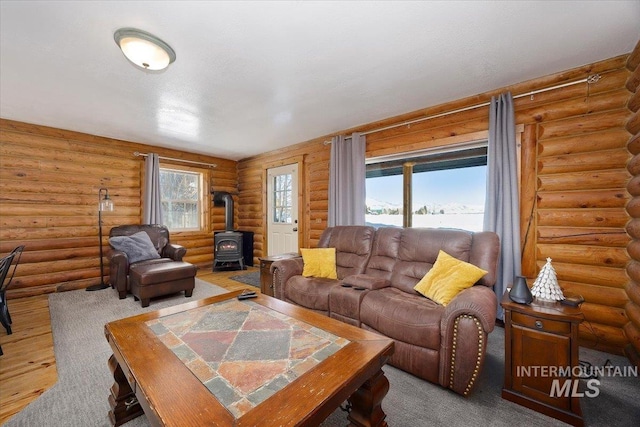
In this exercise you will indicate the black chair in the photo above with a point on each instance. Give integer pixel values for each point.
(5, 280)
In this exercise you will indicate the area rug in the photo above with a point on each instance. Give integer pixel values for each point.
(80, 396)
(252, 279)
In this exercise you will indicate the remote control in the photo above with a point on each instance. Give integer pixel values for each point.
(573, 301)
(247, 296)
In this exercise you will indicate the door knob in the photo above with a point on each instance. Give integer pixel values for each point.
(295, 229)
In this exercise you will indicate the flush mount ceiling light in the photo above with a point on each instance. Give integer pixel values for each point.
(143, 49)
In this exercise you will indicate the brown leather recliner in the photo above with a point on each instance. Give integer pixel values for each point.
(353, 246)
(119, 265)
(442, 344)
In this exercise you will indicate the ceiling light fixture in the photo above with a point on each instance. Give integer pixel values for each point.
(143, 49)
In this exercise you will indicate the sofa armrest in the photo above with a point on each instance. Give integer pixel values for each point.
(464, 328)
(281, 271)
(118, 271)
(366, 281)
(477, 301)
(173, 251)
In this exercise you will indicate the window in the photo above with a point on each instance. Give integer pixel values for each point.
(181, 196)
(282, 201)
(445, 188)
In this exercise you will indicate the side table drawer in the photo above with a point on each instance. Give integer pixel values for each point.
(539, 324)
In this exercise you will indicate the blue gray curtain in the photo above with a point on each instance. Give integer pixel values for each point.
(502, 211)
(152, 211)
(347, 174)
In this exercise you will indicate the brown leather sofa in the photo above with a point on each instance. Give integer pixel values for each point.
(444, 345)
(150, 278)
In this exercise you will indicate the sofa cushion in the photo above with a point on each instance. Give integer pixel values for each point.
(409, 318)
(353, 247)
(319, 262)
(448, 277)
(384, 252)
(137, 246)
(309, 292)
(418, 251)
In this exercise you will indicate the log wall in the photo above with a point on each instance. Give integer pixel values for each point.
(632, 307)
(49, 181)
(574, 180)
(580, 168)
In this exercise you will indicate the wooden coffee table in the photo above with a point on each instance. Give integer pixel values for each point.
(225, 362)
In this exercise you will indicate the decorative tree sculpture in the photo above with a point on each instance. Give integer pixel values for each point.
(546, 287)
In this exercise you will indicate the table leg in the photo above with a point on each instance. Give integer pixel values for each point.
(366, 409)
(123, 401)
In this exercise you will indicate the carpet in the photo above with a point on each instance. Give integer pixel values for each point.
(80, 396)
(252, 279)
(414, 402)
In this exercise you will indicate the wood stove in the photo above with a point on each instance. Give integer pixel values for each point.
(228, 248)
(227, 245)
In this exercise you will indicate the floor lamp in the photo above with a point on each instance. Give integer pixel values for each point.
(104, 204)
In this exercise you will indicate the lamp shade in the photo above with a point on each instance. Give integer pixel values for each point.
(105, 204)
(143, 49)
(520, 292)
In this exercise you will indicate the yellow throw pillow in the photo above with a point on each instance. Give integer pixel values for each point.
(319, 262)
(448, 277)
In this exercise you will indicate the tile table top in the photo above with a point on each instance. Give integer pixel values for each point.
(244, 352)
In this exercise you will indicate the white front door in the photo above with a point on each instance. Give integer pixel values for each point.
(282, 209)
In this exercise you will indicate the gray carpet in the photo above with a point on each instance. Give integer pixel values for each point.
(413, 402)
(80, 396)
(252, 279)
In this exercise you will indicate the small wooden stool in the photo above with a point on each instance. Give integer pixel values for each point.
(153, 280)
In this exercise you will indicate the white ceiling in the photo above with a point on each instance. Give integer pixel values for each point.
(255, 76)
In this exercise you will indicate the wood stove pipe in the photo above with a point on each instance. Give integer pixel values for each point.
(223, 198)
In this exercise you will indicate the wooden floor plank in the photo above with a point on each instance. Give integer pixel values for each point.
(18, 391)
(28, 366)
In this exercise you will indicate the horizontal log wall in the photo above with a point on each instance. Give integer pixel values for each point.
(573, 182)
(632, 306)
(49, 181)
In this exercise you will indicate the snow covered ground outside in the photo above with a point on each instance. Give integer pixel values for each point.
(464, 221)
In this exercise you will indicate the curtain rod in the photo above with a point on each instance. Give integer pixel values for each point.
(593, 78)
(211, 165)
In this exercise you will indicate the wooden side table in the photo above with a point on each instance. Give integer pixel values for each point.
(540, 344)
(266, 281)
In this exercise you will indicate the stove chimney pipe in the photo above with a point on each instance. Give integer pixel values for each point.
(223, 198)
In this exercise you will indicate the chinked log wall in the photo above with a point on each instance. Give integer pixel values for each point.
(49, 181)
(632, 308)
(574, 181)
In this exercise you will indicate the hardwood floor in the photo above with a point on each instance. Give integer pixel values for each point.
(28, 366)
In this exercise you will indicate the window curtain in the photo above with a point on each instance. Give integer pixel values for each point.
(347, 174)
(152, 213)
(502, 211)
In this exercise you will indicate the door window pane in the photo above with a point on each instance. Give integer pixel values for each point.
(282, 199)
